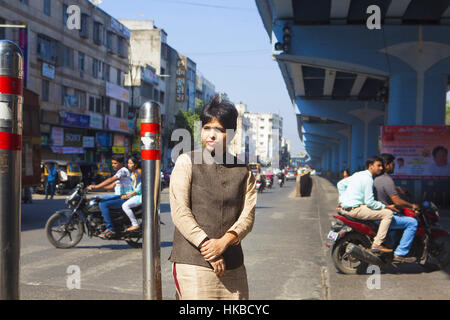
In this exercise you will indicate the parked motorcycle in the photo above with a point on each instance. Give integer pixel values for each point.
(350, 240)
(65, 228)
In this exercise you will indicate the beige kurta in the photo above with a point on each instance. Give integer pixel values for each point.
(196, 282)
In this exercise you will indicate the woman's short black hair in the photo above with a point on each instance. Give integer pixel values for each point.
(135, 160)
(225, 112)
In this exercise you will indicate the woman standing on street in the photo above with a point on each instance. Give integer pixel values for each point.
(212, 204)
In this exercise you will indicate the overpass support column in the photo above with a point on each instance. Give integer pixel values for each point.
(364, 144)
(417, 98)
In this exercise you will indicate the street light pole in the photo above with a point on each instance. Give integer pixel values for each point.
(11, 77)
(150, 115)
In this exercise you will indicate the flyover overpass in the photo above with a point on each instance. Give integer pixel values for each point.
(347, 80)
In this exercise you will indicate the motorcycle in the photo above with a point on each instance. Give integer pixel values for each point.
(65, 228)
(350, 240)
(261, 184)
(280, 180)
(269, 182)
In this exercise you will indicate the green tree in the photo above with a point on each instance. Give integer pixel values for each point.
(186, 120)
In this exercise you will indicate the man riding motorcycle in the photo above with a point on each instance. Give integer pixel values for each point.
(386, 193)
(357, 200)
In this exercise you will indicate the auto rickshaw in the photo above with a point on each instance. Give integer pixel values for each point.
(69, 174)
(103, 172)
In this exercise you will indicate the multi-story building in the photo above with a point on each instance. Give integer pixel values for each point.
(78, 71)
(265, 137)
(148, 63)
(205, 90)
(240, 145)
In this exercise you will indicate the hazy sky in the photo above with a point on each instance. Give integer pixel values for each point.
(227, 40)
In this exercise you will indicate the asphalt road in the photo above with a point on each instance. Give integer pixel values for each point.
(285, 257)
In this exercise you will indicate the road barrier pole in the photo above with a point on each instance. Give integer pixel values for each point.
(11, 99)
(150, 115)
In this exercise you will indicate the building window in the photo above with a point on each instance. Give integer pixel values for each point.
(95, 64)
(84, 32)
(64, 14)
(97, 36)
(81, 97)
(161, 97)
(46, 49)
(47, 7)
(67, 57)
(92, 104)
(120, 46)
(2, 30)
(45, 94)
(24, 1)
(109, 41)
(81, 58)
(106, 71)
(63, 95)
(118, 109)
(119, 77)
(107, 107)
(98, 105)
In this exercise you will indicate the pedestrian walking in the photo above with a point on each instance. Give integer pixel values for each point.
(52, 178)
(213, 209)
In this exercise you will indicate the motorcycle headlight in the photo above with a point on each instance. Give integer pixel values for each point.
(73, 198)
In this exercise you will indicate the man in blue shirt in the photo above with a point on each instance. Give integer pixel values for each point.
(52, 179)
(357, 200)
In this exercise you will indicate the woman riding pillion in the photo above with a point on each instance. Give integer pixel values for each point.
(134, 198)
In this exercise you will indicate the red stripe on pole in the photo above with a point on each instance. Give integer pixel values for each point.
(10, 85)
(10, 141)
(150, 154)
(150, 127)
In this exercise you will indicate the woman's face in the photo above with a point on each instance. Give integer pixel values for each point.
(214, 135)
(131, 165)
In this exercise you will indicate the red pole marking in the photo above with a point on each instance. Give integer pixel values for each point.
(10, 141)
(150, 127)
(10, 85)
(150, 154)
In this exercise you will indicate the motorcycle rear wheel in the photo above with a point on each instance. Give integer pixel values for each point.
(443, 258)
(344, 262)
(59, 229)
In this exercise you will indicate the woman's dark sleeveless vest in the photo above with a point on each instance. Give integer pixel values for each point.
(217, 200)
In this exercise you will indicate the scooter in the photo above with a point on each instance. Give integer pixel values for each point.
(350, 240)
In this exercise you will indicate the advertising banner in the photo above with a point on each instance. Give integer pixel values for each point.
(76, 120)
(421, 152)
(88, 142)
(96, 121)
(57, 136)
(116, 124)
(73, 138)
(103, 139)
(117, 92)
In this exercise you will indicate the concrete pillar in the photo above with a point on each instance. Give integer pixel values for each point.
(335, 159)
(417, 98)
